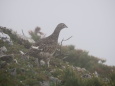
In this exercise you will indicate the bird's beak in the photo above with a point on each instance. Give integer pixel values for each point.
(66, 26)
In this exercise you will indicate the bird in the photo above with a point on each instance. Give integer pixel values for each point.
(44, 48)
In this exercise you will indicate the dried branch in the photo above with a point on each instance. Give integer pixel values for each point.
(23, 33)
(65, 39)
(62, 42)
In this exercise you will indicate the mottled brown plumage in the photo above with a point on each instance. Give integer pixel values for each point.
(45, 48)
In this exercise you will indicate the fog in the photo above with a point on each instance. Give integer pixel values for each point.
(91, 23)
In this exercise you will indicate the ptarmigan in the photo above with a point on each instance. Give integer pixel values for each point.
(45, 48)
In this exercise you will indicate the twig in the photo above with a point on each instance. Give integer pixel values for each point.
(67, 38)
(62, 42)
(23, 33)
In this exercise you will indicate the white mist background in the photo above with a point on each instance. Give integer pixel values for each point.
(90, 22)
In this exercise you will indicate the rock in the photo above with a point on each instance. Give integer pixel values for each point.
(106, 79)
(25, 38)
(42, 63)
(53, 70)
(96, 74)
(37, 62)
(13, 71)
(1, 53)
(2, 64)
(51, 79)
(3, 49)
(86, 76)
(54, 79)
(23, 70)
(15, 61)
(5, 38)
(82, 70)
(7, 58)
(45, 83)
(21, 52)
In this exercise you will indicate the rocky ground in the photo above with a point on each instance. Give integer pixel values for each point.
(16, 69)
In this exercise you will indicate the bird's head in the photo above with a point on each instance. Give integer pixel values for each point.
(61, 26)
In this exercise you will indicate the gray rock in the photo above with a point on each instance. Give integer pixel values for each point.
(2, 64)
(5, 38)
(54, 79)
(45, 83)
(86, 76)
(3, 49)
(7, 58)
(13, 72)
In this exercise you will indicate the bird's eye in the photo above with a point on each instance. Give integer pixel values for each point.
(63, 25)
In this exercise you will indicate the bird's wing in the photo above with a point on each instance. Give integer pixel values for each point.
(46, 45)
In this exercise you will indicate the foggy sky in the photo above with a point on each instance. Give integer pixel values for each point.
(90, 22)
